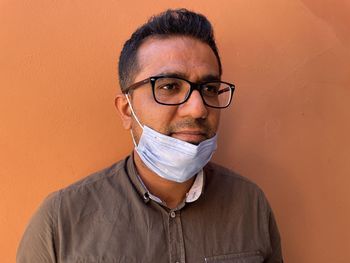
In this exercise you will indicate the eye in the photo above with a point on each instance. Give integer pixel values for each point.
(211, 89)
(168, 86)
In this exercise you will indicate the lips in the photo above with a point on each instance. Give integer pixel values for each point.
(191, 136)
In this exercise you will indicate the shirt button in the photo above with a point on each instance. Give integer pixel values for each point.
(172, 215)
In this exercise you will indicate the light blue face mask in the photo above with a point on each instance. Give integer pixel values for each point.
(171, 158)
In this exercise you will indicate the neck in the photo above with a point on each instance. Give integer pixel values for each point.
(172, 193)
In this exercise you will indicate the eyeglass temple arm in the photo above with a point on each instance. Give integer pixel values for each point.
(224, 90)
(137, 84)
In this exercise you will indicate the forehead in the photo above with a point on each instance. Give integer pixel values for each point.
(180, 55)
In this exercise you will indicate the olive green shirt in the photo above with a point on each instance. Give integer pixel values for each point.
(108, 217)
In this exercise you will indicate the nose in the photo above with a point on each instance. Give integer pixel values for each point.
(194, 107)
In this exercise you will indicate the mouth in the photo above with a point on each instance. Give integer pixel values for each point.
(191, 136)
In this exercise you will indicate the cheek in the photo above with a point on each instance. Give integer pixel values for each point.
(152, 114)
(162, 117)
(214, 119)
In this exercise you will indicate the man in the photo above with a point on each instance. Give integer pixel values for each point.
(165, 202)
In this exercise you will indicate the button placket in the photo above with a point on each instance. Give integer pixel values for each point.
(177, 249)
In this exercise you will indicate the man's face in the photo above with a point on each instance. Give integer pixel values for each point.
(186, 57)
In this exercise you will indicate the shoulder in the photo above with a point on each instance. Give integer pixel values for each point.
(224, 183)
(93, 183)
(89, 193)
(67, 206)
(216, 173)
(100, 177)
(40, 240)
(86, 194)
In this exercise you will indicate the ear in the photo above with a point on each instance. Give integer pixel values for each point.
(123, 109)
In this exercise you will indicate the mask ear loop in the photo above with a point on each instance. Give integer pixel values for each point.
(135, 117)
(132, 110)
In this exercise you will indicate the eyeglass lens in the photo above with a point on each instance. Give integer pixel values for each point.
(173, 91)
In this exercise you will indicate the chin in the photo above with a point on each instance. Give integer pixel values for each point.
(191, 140)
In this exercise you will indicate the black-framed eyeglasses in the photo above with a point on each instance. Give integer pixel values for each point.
(175, 91)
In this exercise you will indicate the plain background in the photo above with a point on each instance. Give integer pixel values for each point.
(287, 129)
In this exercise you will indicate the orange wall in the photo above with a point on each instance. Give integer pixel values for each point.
(288, 128)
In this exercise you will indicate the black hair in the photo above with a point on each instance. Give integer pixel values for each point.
(172, 22)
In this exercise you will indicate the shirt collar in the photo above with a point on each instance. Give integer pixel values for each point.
(196, 188)
(193, 194)
(132, 174)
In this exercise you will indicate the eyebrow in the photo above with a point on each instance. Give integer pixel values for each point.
(205, 78)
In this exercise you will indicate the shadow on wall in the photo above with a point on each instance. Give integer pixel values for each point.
(338, 22)
(237, 150)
